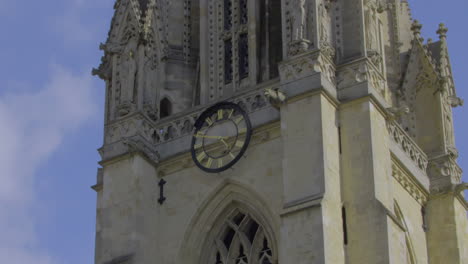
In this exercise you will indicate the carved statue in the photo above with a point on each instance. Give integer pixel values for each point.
(298, 20)
(323, 23)
(449, 135)
(128, 72)
(372, 30)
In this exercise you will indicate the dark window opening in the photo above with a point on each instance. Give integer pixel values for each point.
(252, 231)
(165, 108)
(243, 12)
(238, 218)
(270, 48)
(227, 61)
(339, 139)
(345, 227)
(218, 259)
(242, 258)
(227, 14)
(243, 56)
(275, 43)
(229, 237)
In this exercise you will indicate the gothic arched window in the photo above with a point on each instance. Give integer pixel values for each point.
(165, 108)
(242, 240)
(410, 253)
(244, 44)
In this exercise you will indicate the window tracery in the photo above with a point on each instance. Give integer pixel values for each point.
(242, 240)
(245, 44)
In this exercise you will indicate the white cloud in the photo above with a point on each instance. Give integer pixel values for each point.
(32, 127)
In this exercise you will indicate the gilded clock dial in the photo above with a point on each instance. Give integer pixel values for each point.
(222, 134)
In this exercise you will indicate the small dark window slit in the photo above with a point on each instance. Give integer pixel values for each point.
(345, 228)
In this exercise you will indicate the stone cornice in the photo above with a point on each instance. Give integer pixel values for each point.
(125, 148)
(409, 183)
(458, 196)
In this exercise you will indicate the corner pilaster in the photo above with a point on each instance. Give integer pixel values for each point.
(366, 174)
(311, 214)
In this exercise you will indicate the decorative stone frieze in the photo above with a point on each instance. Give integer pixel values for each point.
(181, 125)
(444, 173)
(407, 144)
(136, 124)
(307, 64)
(409, 184)
(361, 71)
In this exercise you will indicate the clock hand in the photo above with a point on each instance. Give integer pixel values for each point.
(225, 143)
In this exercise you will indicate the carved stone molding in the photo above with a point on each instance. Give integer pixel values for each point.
(307, 64)
(182, 125)
(444, 173)
(407, 144)
(136, 124)
(120, 149)
(359, 72)
(135, 145)
(297, 47)
(409, 184)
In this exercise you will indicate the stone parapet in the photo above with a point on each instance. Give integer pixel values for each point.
(407, 144)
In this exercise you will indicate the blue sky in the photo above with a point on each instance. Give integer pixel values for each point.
(51, 111)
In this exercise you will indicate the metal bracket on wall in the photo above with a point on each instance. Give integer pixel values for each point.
(161, 184)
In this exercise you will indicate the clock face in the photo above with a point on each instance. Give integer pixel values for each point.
(222, 134)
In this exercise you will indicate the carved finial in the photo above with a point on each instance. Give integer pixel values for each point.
(442, 31)
(416, 28)
(429, 41)
(427, 46)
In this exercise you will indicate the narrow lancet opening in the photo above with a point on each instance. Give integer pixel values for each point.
(165, 108)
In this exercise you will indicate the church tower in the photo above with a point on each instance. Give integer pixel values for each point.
(277, 132)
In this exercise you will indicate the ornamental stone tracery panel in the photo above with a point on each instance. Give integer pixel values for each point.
(244, 45)
(242, 240)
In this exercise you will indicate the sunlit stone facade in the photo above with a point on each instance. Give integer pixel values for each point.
(352, 157)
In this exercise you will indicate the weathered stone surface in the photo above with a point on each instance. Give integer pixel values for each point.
(352, 158)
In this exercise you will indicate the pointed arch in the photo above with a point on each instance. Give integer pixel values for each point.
(232, 210)
(409, 243)
(165, 108)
